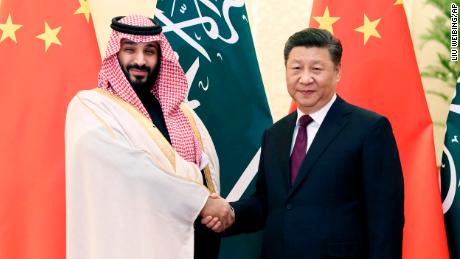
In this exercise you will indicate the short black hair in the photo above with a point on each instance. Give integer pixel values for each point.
(313, 37)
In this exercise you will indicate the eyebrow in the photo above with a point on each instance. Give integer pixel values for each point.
(127, 42)
(152, 45)
(149, 45)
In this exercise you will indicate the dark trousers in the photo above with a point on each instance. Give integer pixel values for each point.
(207, 242)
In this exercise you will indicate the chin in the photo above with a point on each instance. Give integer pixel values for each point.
(307, 102)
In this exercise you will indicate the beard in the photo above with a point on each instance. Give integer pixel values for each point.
(141, 82)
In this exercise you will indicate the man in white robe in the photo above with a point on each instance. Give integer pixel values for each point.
(140, 165)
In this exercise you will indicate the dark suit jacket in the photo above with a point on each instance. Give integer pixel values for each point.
(347, 201)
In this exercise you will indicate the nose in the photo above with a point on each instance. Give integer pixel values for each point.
(139, 59)
(305, 78)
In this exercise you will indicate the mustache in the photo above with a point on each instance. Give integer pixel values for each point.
(136, 66)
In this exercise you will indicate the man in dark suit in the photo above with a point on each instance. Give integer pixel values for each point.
(330, 182)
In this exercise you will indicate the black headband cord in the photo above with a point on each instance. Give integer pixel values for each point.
(135, 30)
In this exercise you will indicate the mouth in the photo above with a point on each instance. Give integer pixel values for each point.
(138, 72)
(305, 92)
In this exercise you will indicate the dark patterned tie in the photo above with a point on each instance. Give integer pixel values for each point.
(300, 146)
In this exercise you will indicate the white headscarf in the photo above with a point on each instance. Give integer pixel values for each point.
(170, 87)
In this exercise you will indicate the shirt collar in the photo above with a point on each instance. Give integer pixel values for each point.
(320, 114)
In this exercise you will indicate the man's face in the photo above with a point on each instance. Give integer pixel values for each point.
(138, 61)
(311, 77)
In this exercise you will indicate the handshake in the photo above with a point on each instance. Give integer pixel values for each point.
(217, 214)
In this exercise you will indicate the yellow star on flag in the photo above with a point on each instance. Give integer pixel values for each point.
(50, 36)
(9, 29)
(326, 21)
(84, 9)
(369, 28)
(399, 2)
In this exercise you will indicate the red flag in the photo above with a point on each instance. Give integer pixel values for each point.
(48, 52)
(380, 73)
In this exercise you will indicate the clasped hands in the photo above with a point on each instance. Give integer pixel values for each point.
(217, 214)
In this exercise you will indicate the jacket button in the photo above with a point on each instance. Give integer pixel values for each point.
(289, 206)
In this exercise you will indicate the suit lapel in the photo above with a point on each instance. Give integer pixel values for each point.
(285, 141)
(333, 123)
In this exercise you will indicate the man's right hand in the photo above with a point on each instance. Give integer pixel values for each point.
(217, 214)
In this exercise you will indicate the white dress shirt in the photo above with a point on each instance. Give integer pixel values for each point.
(313, 127)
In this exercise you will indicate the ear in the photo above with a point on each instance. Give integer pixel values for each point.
(338, 69)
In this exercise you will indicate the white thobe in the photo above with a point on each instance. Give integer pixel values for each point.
(128, 193)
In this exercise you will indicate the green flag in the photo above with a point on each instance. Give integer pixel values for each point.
(449, 179)
(214, 45)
